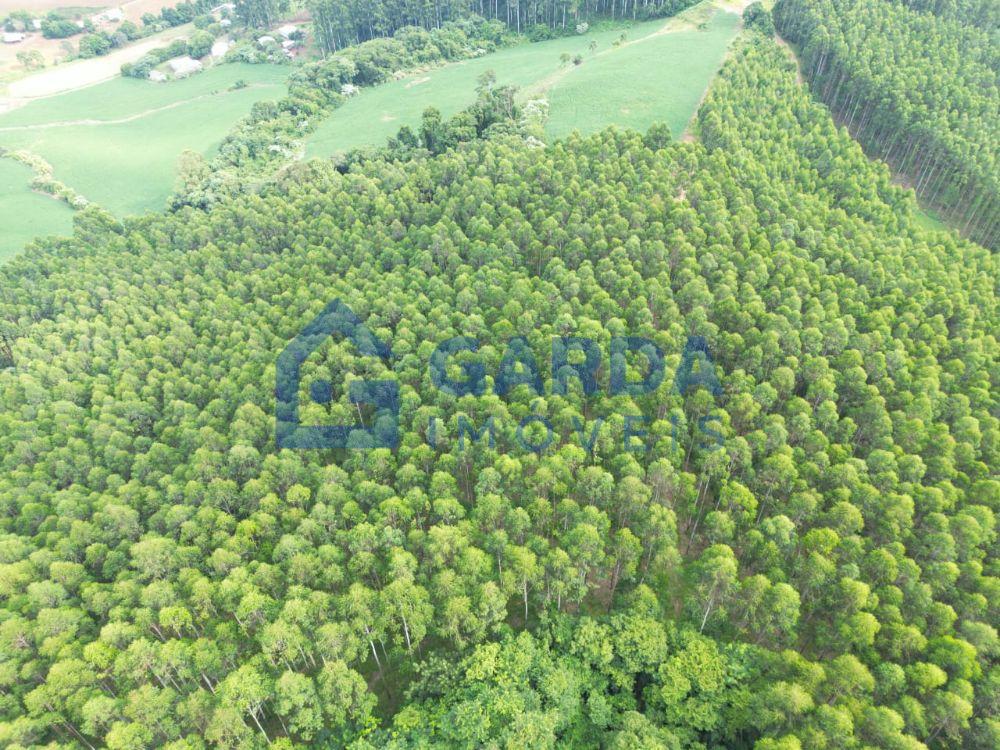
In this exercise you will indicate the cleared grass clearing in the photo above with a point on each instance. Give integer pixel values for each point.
(658, 74)
(123, 97)
(117, 143)
(26, 214)
(659, 78)
(928, 219)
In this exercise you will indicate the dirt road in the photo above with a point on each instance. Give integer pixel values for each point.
(133, 9)
(77, 75)
(39, 7)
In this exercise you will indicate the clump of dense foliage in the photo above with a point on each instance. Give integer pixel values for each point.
(824, 575)
(757, 17)
(918, 90)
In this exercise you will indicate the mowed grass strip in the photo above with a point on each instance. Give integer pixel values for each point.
(25, 214)
(124, 97)
(657, 79)
(655, 75)
(129, 166)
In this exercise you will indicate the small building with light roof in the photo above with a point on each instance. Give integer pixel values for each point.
(184, 66)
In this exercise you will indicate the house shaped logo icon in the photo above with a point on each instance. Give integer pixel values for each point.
(381, 395)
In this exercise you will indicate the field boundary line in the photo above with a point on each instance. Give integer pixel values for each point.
(123, 120)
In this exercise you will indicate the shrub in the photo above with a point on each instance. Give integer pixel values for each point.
(32, 60)
(59, 28)
(130, 30)
(95, 45)
(540, 33)
(141, 67)
(756, 16)
(200, 44)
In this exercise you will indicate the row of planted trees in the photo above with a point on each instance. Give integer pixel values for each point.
(917, 90)
(339, 23)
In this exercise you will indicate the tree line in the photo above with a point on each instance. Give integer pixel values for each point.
(918, 90)
(338, 23)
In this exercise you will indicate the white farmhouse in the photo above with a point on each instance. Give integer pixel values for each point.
(287, 30)
(111, 15)
(221, 47)
(184, 66)
(262, 40)
(157, 76)
(12, 37)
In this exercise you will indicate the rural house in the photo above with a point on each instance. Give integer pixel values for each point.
(184, 66)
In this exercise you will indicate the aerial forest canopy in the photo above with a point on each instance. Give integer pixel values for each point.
(918, 90)
(802, 558)
(985, 13)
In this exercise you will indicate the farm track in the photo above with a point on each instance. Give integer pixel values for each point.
(120, 120)
(80, 74)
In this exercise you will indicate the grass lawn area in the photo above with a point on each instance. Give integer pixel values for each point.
(652, 77)
(25, 213)
(117, 143)
(927, 219)
(659, 78)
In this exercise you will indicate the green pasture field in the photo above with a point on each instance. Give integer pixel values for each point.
(25, 214)
(659, 73)
(117, 143)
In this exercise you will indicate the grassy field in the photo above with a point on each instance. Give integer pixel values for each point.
(117, 143)
(658, 78)
(658, 74)
(26, 214)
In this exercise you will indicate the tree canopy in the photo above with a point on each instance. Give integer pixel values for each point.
(818, 571)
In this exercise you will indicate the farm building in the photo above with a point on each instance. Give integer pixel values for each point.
(226, 9)
(111, 15)
(265, 40)
(12, 37)
(184, 66)
(221, 47)
(287, 30)
(157, 76)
